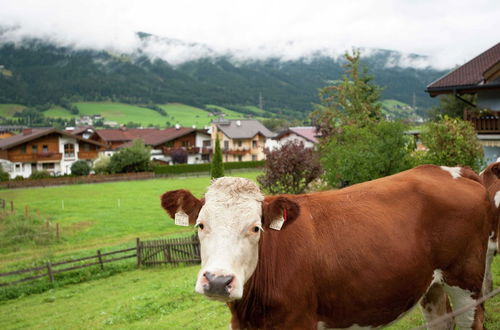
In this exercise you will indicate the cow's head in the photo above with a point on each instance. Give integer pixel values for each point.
(230, 222)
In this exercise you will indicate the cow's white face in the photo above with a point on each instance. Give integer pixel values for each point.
(229, 229)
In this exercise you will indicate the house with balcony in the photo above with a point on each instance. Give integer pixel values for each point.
(479, 77)
(46, 149)
(242, 139)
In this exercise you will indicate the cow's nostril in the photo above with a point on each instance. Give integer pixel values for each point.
(218, 285)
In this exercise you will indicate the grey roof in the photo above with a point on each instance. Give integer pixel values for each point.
(246, 129)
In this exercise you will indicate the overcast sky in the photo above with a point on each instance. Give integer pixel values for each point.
(450, 32)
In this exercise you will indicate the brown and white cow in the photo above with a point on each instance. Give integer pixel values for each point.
(359, 257)
(491, 180)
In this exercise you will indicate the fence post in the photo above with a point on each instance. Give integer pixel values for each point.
(57, 231)
(100, 259)
(49, 272)
(12, 206)
(26, 212)
(138, 251)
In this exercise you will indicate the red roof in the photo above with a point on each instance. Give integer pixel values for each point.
(470, 76)
(307, 132)
(152, 137)
(113, 135)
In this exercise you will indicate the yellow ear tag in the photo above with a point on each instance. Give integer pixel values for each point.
(181, 219)
(276, 224)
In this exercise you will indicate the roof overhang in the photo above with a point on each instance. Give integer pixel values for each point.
(466, 89)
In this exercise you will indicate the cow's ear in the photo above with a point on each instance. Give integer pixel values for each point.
(279, 211)
(495, 169)
(179, 203)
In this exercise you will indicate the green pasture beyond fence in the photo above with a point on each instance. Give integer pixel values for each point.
(184, 250)
(158, 171)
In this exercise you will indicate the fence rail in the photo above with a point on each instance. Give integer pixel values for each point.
(148, 253)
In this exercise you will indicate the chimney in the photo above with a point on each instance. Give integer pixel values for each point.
(27, 131)
(177, 126)
(238, 123)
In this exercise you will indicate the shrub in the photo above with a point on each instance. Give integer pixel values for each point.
(40, 175)
(133, 159)
(80, 168)
(101, 165)
(4, 176)
(290, 169)
(361, 154)
(451, 142)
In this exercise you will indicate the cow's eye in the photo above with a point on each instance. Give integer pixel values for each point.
(256, 229)
(200, 226)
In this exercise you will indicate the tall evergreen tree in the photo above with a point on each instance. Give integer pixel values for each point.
(217, 166)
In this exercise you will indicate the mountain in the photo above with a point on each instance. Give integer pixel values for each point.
(36, 72)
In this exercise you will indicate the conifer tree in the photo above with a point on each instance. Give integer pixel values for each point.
(217, 167)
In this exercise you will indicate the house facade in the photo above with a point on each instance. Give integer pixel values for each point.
(480, 77)
(47, 149)
(241, 140)
(305, 134)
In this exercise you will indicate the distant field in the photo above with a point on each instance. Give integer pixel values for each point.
(8, 110)
(93, 216)
(58, 112)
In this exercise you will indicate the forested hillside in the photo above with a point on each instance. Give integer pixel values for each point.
(40, 73)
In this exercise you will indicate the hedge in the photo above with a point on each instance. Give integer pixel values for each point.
(191, 168)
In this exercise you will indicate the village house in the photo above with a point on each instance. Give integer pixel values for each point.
(241, 140)
(480, 77)
(305, 134)
(163, 142)
(46, 149)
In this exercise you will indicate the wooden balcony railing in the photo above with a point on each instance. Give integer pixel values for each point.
(240, 151)
(35, 157)
(489, 123)
(87, 154)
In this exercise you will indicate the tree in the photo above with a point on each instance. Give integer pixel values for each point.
(101, 165)
(451, 106)
(451, 142)
(80, 168)
(217, 166)
(354, 100)
(132, 159)
(4, 176)
(365, 153)
(290, 169)
(179, 155)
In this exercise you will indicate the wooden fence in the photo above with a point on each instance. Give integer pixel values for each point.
(168, 251)
(148, 253)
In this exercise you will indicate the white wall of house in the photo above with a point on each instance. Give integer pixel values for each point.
(295, 137)
(67, 159)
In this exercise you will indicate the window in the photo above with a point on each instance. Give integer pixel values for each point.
(34, 149)
(239, 143)
(185, 144)
(23, 149)
(206, 143)
(254, 144)
(45, 148)
(18, 168)
(48, 166)
(240, 158)
(226, 145)
(69, 150)
(254, 157)
(86, 147)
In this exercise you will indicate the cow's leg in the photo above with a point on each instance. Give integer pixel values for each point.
(488, 278)
(435, 304)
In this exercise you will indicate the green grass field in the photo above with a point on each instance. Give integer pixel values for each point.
(159, 298)
(99, 215)
(8, 110)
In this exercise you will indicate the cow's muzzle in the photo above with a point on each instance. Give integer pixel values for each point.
(217, 285)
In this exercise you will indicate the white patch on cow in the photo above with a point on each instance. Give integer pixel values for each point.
(460, 298)
(454, 171)
(229, 247)
(497, 199)
(322, 326)
(437, 277)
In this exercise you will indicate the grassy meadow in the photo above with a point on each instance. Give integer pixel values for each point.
(92, 216)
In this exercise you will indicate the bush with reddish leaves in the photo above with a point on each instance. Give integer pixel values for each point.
(290, 169)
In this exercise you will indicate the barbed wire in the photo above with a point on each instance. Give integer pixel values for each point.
(459, 311)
